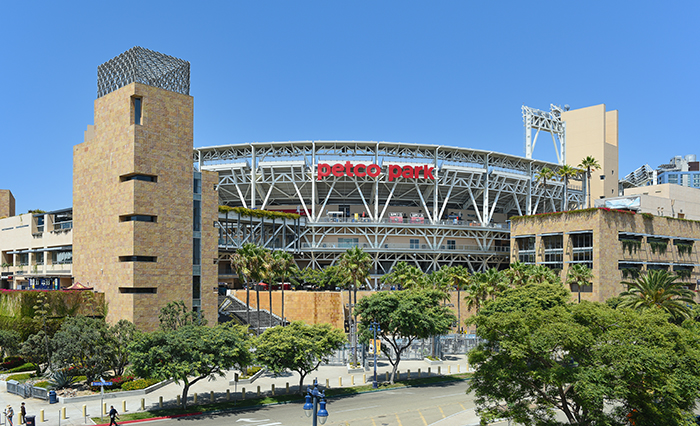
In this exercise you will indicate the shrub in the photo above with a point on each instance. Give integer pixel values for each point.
(117, 383)
(24, 367)
(11, 362)
(139, 384)
(62, 379)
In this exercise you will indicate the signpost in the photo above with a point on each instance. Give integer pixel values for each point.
(102, 385)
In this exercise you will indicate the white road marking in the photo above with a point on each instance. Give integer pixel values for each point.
(452, 394)
(252, 420)
(356, 409)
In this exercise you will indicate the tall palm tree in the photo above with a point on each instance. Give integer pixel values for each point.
(658, 288)
(580, 275)
(246, 262)
(484, 286)
(355, 264)
(544, 175)
(284, 263)
(461, 278)
(566, 172)
(403, 275)
(591, 165)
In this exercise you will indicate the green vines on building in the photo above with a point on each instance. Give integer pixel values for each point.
(242, 211)
(659, 246)
(632, 273)
(631, 245)
(684, 248)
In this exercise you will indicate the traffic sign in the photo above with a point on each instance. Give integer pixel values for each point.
(101, 384)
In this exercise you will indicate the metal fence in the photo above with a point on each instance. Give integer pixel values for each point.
(440, 346)
(26, 391)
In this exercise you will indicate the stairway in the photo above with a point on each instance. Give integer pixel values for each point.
(233, 309)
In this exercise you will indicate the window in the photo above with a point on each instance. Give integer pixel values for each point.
(196, 287)
(526, 249)
(137, 218)
(348, 242)
(582, 252)
(136, 102)
(197, 183)
(553, 242)
(414, 243)
(138, 290)
(24, 259)
(138, 176)
(451, 244)
(553, 251)
(61, 257)
(137, 258)
(196, 251)
(672, 178)
(196, 215)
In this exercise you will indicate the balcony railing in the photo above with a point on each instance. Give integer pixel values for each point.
(63, 226)
(406, 247)
(412, 221)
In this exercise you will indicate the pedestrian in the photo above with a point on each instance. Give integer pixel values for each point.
(22, 414)
(113, 415)
(9, 412)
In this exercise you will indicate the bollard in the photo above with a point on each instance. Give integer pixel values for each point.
(438, 370)
(41, 415)
(386, 375)
(272, 389)
(228, 394)
(160, 401)
(104, 409)
(429, 371)
(352, 380)
(287, 386)
(242, 393)
(328, 384)
(467, 367)
(364, 377)
(178, 401)
(59, 418)
(63, 413)
(258, 390)
(458, 368)
(195, 397)
(419, 373)
(340, 382)
(124, 406)
(211, 396)
(143, 404)
(84, 410)
(449, 369)
(409, 375)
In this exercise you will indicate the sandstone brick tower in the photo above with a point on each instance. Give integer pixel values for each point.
(143, 216)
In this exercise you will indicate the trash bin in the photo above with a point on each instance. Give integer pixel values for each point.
(30, 420)
(52, 397)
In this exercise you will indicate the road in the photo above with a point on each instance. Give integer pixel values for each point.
(417, 406)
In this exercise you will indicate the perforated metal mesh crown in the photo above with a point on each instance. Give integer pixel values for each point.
(145, 66)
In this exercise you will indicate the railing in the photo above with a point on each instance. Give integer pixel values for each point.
(412, 221)
(62, 226)
(407, 246)
(26, 391)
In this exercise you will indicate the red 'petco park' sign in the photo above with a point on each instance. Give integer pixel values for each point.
(373, 170)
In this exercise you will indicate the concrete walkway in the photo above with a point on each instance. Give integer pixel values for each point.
(220, 388)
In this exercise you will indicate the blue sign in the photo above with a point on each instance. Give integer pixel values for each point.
(101, 384)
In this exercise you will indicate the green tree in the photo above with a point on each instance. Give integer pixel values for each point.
(252, 263)
(461, 279)
(403, 317)
(541, 353)
(591, 165)
(297, 347)
(84, 343)
(10, 341)
(579, 275)
(175, 315)
(190, 353)
(566, 172)
(404, 276)
(658, 289)
(119, 336)
(285, 267)
(354, 265)
(484, 286)
(31, 351)
(544, 175)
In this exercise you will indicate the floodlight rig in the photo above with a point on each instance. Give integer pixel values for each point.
(549, 122)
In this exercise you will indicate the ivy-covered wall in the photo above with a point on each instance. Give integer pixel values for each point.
(22, 303)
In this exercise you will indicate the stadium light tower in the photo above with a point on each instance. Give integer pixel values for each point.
(550, 122)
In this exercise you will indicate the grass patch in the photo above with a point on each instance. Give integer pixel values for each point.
(252, 402)
(22, 377)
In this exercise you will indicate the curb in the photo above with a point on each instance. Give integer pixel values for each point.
(175, 416)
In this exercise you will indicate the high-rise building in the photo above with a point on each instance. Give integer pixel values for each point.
(144, 231)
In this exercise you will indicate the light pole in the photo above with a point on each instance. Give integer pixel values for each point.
(374, 327)
(310, 408)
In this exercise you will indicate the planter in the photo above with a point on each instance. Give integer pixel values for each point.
(249, 380)
(352, 369)
(431, 362)
(119, 394)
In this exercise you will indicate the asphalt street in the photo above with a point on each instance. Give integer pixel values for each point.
(416, 406)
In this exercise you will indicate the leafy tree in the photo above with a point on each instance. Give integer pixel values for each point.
(175, 315)
(404, 276)
(31, 351)
(120, 335)
(354, 265)
(542, 353)
(658, 289)
(41, 318)
(190, 353)
(403, 317)
(10, 341)
(579, 275)
(297, 347)
(84, 343)
(590, 164)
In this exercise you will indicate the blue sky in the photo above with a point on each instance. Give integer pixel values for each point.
(447, 72)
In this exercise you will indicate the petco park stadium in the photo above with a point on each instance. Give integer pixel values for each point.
(427, 205)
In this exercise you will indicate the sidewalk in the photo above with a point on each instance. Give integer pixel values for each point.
(204, 388)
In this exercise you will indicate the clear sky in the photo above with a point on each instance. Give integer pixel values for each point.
(437, 72)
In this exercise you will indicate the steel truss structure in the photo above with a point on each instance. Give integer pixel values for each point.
(145, 66)
(551, 123)
(494, 186)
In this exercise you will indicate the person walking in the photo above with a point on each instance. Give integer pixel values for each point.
(9, 412)
(22, 414)
(113, 415)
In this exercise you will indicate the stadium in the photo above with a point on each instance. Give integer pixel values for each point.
(427, 205)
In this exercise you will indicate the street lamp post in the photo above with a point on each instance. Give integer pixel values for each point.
(314, 398)
(374, 327)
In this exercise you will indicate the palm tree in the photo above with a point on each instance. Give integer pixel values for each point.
(544, 175)
(246, 262)
(461, 278)
(580, 275)
(484, 286)
(355, 264)
(566, 172)
(658, 288)
(284, 263)
(403, 275)
(591, 165)
(517, 274)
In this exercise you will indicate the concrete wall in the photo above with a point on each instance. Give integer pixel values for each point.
(668, 200)
(7, 203)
